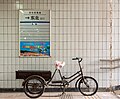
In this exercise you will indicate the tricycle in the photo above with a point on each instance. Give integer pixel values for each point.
(34, 84)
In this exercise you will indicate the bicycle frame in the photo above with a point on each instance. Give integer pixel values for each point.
(74, 76)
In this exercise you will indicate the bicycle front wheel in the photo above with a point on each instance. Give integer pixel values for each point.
(88, 86)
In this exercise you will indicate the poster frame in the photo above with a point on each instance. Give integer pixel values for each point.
(49, 56)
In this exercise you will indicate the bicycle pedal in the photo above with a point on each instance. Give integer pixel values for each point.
(58, 81)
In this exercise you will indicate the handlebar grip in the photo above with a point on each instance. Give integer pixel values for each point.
(74, 58)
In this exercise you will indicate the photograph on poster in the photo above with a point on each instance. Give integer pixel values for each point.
(35, 48)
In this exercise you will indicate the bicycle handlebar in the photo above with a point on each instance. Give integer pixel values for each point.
(77, 58)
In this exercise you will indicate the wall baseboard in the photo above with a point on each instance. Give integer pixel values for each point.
(49, 90)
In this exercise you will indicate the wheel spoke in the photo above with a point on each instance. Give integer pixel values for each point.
(30, 84)
(34, 87)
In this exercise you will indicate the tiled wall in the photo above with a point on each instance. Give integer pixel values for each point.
(78, 28)
(115, 40)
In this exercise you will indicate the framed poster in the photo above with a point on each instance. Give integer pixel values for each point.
(34, 33)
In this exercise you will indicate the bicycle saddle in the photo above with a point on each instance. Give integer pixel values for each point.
(59, 64)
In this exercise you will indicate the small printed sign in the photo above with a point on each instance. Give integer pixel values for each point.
(34, 33)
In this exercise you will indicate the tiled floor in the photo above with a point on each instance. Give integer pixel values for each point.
(68, 95)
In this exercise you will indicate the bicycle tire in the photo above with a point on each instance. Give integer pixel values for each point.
(85, 86)
(38, 89)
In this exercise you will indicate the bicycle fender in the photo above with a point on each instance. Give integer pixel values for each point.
(36, 76)
(77, 82)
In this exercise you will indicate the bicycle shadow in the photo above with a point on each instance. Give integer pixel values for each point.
(61, 96)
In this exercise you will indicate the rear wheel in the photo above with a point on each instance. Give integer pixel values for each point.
(34, 87)
(88, 86)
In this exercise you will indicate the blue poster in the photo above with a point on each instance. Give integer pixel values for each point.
(34, 48)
